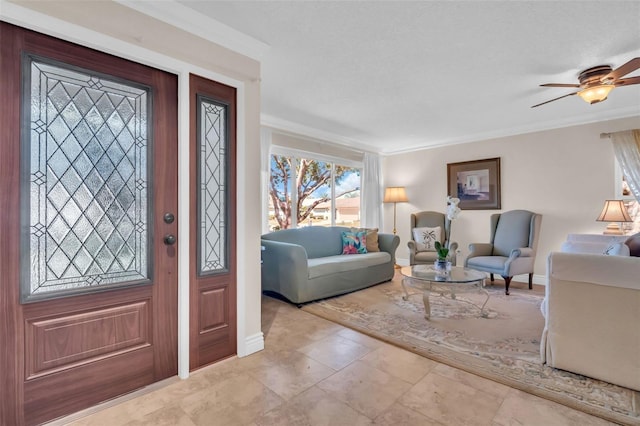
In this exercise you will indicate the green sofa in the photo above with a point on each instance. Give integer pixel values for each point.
(306, 264)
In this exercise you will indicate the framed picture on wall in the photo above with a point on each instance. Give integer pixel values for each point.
(476, 183)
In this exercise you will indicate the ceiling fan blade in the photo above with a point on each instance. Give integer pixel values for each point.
(559, 85)
(627, 81)
(622, 70)
(555, 99)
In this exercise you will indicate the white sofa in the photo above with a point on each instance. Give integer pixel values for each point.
(592, 318)
(590, 243)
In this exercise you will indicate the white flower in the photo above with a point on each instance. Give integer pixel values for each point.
(452, 207)
(452, 212)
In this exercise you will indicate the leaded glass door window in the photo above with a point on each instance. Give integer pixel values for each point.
(85, 181)
(212, 128)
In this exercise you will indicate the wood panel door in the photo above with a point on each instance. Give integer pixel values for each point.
(213, 221)
(88, 170)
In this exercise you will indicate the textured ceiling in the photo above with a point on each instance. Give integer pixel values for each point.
(392, 76)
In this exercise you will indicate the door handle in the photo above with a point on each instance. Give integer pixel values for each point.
(169, 239)
(168, 218)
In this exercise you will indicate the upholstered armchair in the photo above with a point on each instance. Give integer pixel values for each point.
(418, 253)
(512, 250)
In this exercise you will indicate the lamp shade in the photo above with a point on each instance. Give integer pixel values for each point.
(596, 94)
(614, 211)
(395, 194)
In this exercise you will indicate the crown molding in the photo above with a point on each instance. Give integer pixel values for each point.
(286, 126)
(514, 131)
(335, 139)
(191, 21)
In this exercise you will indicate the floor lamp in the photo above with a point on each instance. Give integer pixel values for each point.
(395, 195)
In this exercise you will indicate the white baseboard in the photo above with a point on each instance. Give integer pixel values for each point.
(524, 278)
(537, 279)
(402, 262)
(252, 344)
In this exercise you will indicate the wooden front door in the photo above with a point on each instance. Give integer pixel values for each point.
(213, 221)
(88, 183)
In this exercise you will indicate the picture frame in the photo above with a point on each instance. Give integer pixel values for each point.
(476, 183)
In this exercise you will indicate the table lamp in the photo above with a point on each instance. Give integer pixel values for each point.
(614, 211)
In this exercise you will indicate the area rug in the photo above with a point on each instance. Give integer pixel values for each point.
(505, 347)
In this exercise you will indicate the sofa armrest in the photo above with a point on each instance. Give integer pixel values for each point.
(412, 251)
(284, 267)
(389, 243)
(480, 249)
(614, 271)
(592, 309)
(523, 252)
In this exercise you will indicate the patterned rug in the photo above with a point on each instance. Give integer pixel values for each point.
(505, 347)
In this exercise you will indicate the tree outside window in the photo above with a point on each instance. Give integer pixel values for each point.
(313, 200)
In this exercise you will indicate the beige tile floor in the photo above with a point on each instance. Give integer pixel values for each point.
(315, 372)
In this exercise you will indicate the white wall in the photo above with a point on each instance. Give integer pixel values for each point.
(564, 174)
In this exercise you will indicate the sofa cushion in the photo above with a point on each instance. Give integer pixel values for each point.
(354, 242)
(335, 264)
(617, 249)
(590, 243)
(318, 241)
(426, 238)
(584, 247)
(488, 262)
(633, 242)
(425, 256)
(372, 238)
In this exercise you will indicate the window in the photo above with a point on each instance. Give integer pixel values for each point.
(305, 191)
(633, 207)
(347, 196)
(87, 188)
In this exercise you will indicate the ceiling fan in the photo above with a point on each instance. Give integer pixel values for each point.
(597, 82)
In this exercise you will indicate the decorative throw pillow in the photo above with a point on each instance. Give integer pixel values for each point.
(633, 242)
(617, 249)
(354, 242)
(372, 238)
(426, 238)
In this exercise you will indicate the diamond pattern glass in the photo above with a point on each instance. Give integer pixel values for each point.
(212, 195)
(88, 181)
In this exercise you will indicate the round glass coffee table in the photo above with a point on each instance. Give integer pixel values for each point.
(450, 283)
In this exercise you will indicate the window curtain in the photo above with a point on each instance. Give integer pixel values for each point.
(265, 170)
(626, 146)
(371, 194)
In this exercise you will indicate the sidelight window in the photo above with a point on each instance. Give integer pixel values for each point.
(212, 183)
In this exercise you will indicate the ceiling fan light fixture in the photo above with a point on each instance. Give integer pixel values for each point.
(595, 94)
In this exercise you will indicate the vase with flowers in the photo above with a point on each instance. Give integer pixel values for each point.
(443, 263)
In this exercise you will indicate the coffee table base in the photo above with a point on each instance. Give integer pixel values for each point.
(435, 287)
